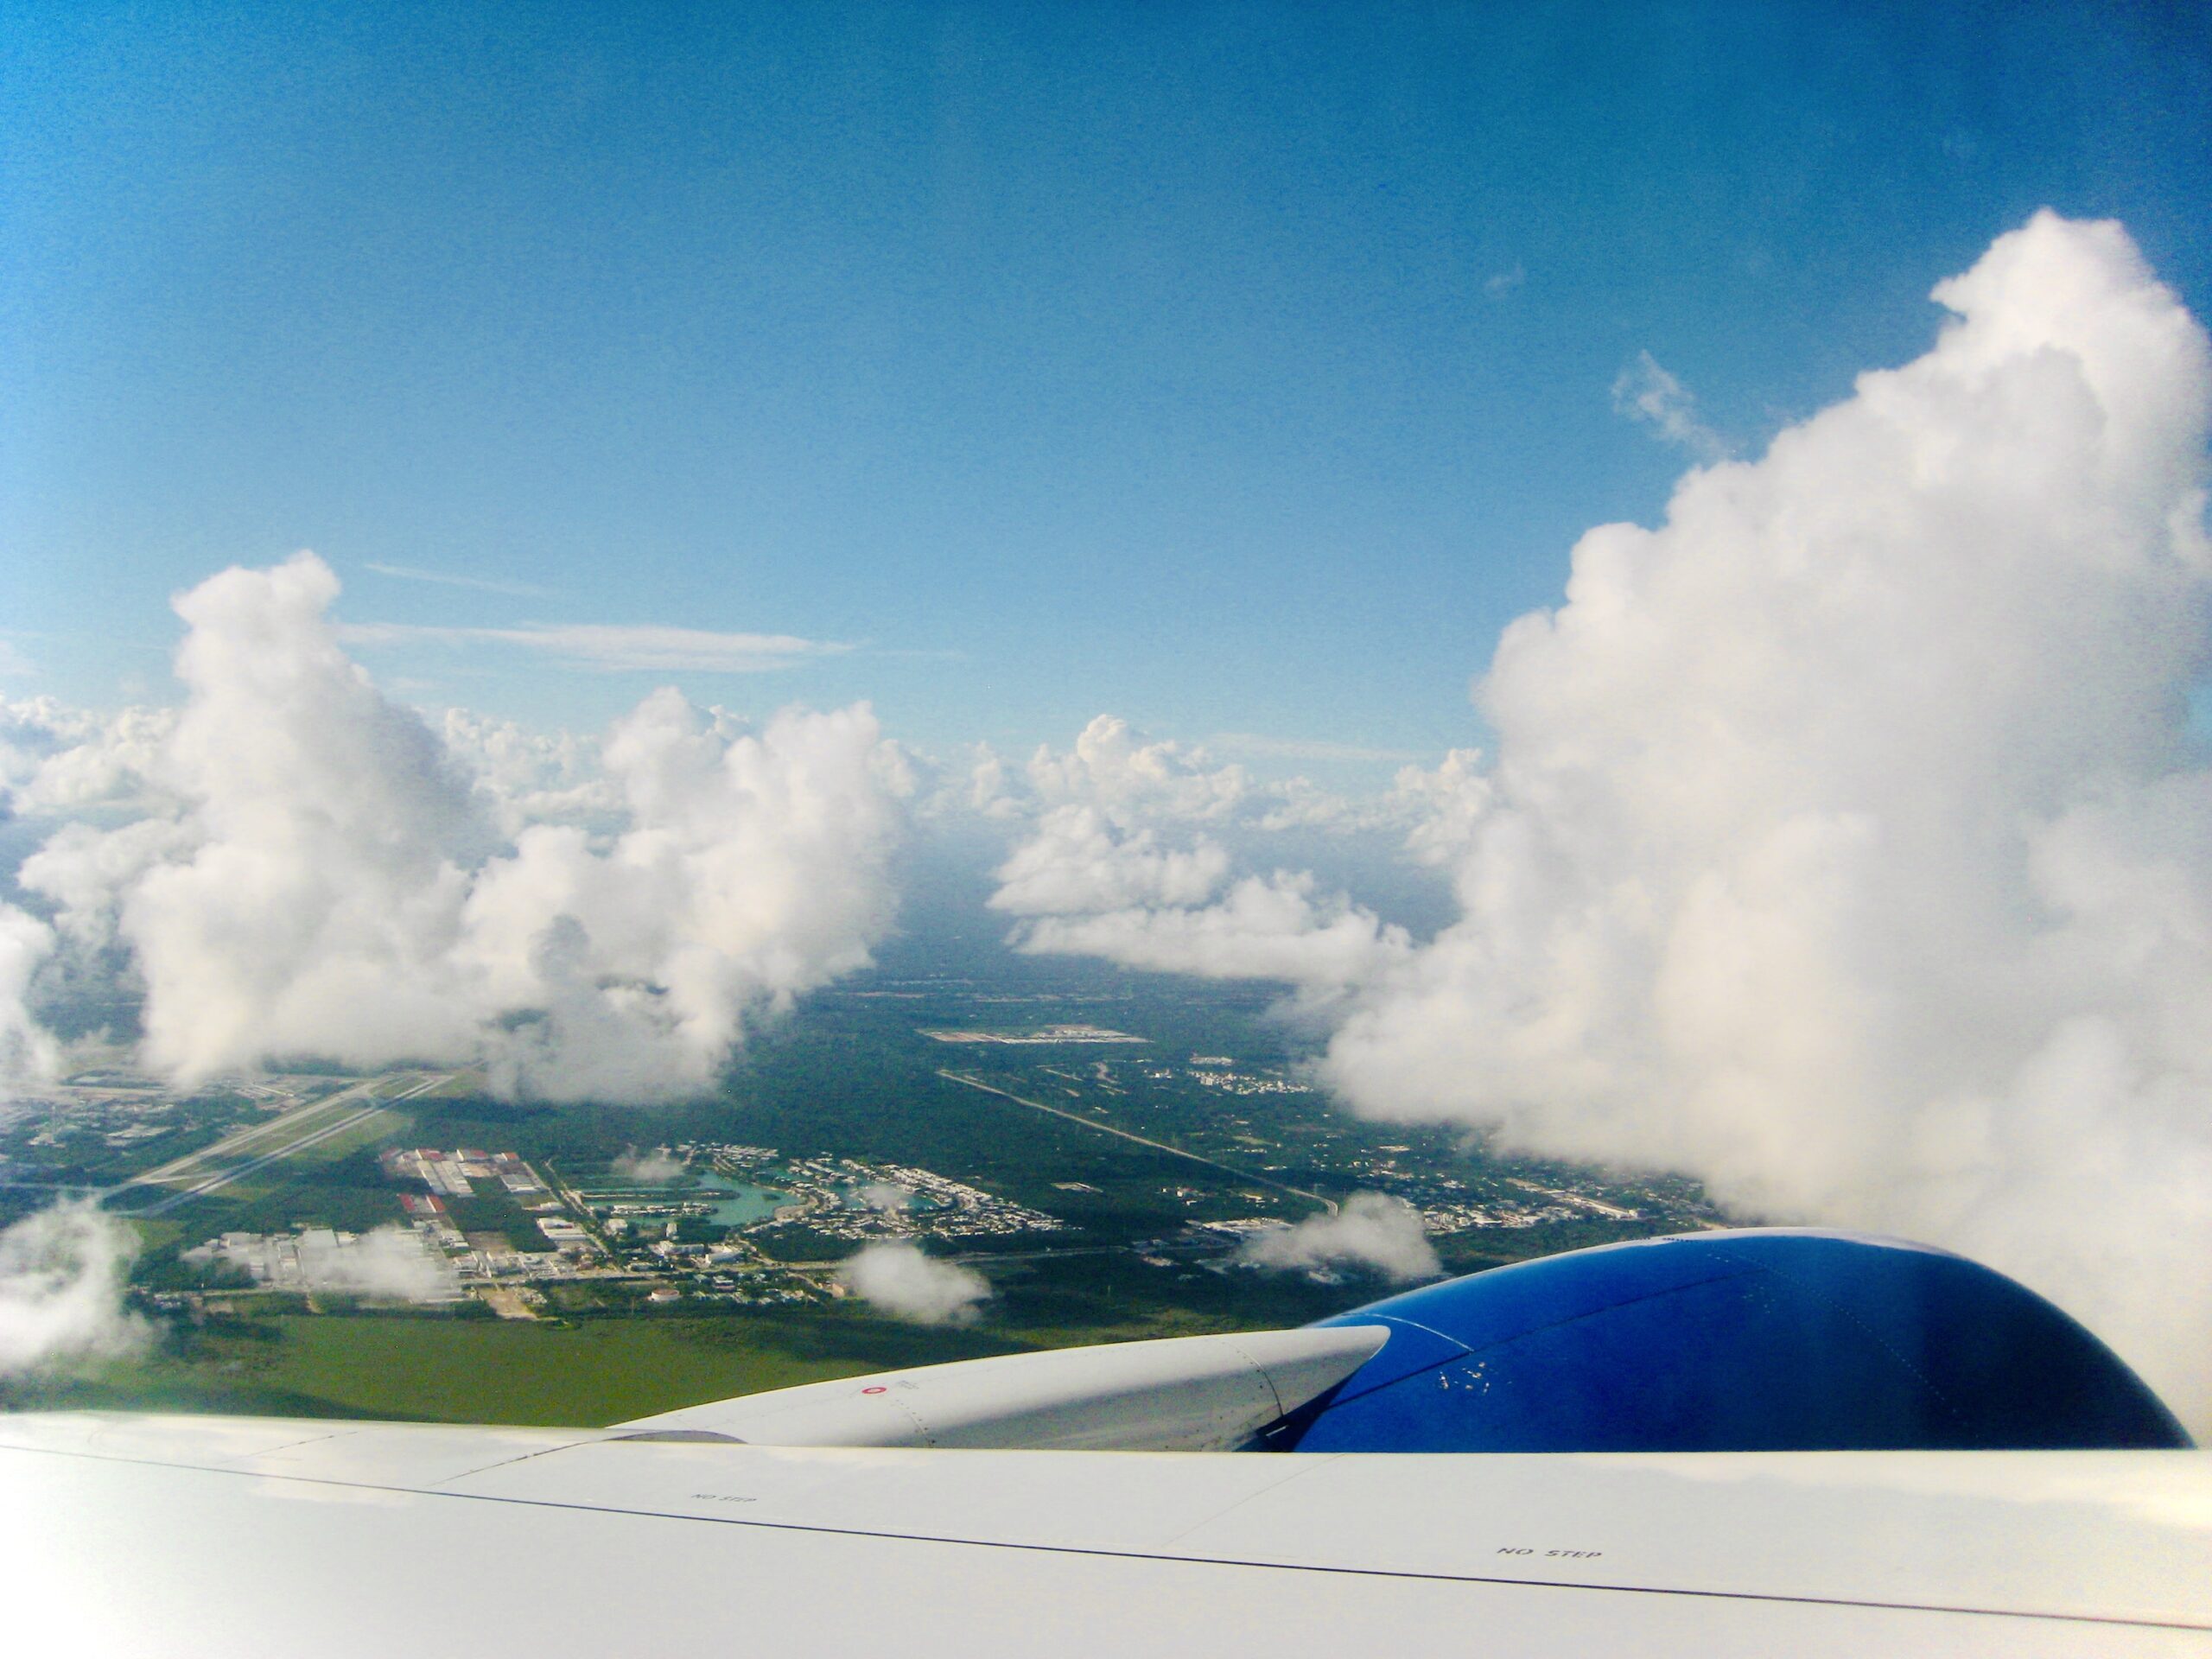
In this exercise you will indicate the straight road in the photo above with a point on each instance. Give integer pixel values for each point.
(1143, 1141)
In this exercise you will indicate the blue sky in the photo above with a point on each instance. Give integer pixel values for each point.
(1240, 370)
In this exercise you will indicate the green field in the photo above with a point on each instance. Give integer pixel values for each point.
(596, 1370)
(483, 1370)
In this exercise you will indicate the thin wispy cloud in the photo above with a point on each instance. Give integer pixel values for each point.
(1647, 392)
(1300, 748)
(447, 579)
(14, 664)
(1505, 281)
(614, 649)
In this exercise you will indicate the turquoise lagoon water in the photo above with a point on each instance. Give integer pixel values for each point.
(740, 1204)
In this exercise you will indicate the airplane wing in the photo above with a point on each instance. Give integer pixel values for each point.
(943, 1510)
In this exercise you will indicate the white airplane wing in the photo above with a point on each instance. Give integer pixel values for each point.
(943, 1511)
(248, 1537)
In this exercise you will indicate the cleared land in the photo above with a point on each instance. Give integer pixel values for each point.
(254, 1149)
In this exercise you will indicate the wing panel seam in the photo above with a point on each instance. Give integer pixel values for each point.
(1099, 1552)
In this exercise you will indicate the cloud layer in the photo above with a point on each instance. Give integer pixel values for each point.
(26, 1052)
(1123, 858)
(896, 1278)
(391, 1263)
(1273, 927)
(56, 758)
(616, 649)
(1845, 845)
(337, 884)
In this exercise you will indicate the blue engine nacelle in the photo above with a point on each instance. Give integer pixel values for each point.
(1761, 1340)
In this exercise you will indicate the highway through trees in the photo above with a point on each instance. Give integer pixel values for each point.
(1143, 1141)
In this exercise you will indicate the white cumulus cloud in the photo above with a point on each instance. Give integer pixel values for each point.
(1130, 780)
(525, 777)
(1371, 1230)
(337, 882)
(898, 1279)
(1845, 845)
(61, 1277)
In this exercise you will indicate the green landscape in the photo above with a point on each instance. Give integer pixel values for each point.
(1101, 1165)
